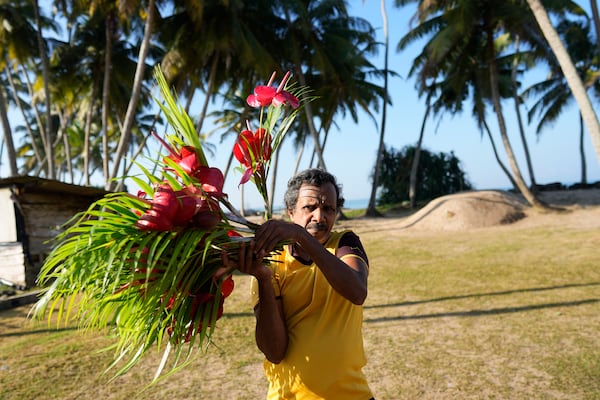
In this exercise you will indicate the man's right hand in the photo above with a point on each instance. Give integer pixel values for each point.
(248, 262)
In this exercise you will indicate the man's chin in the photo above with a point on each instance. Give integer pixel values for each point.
(321, 236)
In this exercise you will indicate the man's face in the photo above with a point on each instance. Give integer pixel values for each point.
(316, 210)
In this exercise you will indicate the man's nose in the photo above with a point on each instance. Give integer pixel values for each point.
(318, 214)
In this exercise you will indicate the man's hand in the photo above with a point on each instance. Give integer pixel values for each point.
(248, 262)
(273, 232)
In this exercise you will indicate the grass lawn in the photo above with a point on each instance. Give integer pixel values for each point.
(500, 313)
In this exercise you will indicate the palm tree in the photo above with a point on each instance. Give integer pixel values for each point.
(412, 189)
(17, 46)
(463, 48)
(327, 50)
(138, 79)
(517, 58)
(43, 54)
(553, 94)
(596, 21)
(371, 210)
(79, 68)
(210, 42)
(570, 72)
(8, 140)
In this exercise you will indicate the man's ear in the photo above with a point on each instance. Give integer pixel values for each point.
(290, 213)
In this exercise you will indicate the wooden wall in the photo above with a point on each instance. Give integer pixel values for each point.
(42, 208)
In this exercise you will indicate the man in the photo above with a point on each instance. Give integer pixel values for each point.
(308, 297)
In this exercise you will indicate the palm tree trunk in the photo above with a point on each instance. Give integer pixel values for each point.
(582, 153)
(527, 194)
(298, 158)
(135, 95)
(86, 138)
(46, 76)
(496, 155)
(209, 90)
(326, 128)
(311, 125)
(8, 139)
(596, 19)
(106, 98)
(34, 146)
(412, 189)
(371, 210)
(517, 102)
(38, 119)
(569, 71)
(68, 160)
(273, 183)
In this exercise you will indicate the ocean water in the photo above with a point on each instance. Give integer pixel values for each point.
(354, 204)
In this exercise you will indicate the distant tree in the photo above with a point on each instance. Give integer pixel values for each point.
(437, 175)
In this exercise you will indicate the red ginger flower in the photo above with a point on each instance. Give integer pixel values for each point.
(252, 150)
(187, 159)
(169, 208)
(263, 96)
(212, 180)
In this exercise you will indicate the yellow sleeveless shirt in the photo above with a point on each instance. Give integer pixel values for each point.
(325, 354)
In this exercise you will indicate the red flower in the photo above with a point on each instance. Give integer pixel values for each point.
(252, 150)
(227, 286)
(163, 208)
(212, 180)
(263, 96)
(169, 208)
(187, 159)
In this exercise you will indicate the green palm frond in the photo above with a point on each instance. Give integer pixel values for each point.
(148, 269)
(150, 288)
(178, 119)
(105, 273)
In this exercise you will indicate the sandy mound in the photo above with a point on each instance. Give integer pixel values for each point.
(468, 210)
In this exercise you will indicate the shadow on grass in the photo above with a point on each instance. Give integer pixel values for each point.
(477, 313)
(24, 332)
(474, 313)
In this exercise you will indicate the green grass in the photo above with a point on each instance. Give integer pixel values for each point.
(488, 314)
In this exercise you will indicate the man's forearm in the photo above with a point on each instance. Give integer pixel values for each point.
(271, 332)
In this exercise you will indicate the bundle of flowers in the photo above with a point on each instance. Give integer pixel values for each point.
(148, 267)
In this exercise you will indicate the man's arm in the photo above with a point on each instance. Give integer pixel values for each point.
(271, 332)
(348, 276)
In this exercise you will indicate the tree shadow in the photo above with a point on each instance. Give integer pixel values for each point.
(478, 313)
(493, 311)
(24, 332)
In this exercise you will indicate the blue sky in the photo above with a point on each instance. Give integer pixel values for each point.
(351, 149)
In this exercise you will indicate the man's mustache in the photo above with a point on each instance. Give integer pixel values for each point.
(316, 226)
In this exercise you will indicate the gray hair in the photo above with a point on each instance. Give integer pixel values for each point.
(313, 176)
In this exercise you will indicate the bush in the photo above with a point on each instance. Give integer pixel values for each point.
(437, 175)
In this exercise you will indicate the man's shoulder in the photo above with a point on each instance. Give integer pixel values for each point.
(347, 235)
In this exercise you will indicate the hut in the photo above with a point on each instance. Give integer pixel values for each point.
(32, 212)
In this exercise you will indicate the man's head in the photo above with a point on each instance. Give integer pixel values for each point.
(313, 199)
